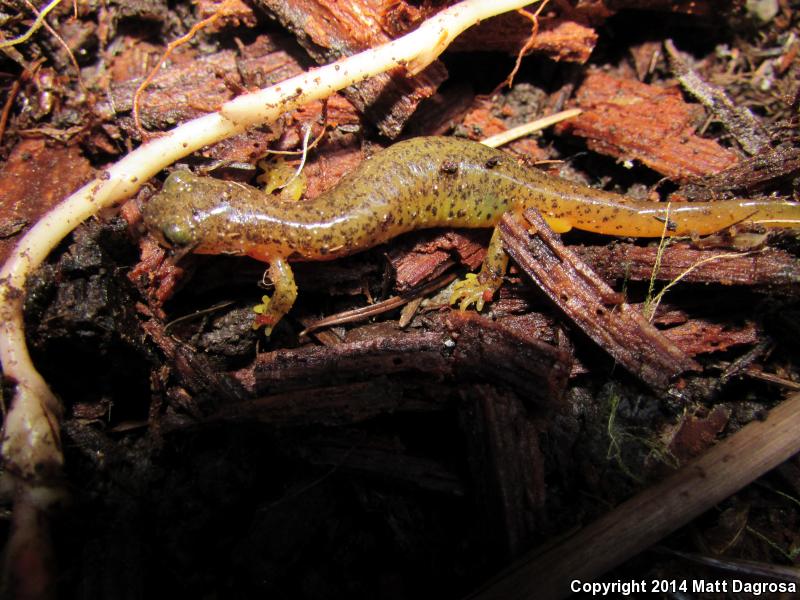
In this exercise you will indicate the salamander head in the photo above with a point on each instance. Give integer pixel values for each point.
(174, 215)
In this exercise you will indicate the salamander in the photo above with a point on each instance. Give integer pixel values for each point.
(415, 184)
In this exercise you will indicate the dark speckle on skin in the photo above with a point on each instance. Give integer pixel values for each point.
(449, 167)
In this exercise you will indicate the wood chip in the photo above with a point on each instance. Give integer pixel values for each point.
(763, 171)
(695, 433)
(331, 405)
(738, 120)
(589, 303)
(34, 179)
(431, 255)
(506, 466)
(191, 86)
(700, 336)
(558, 38)
(767, 267)
(630, 120)
(471, 346)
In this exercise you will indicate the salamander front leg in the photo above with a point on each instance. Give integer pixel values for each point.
(479, 289)
(271, 310)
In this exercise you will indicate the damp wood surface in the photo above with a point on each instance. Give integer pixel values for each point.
(419, 451)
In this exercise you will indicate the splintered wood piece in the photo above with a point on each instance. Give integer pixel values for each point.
(472, 346)
(32, 180)
(601, 313)
(558, 38)
(696, 432)
(643, 520)
(343, 404)
(506, 466)
(432, 256)
(700, 336)
(627, 119)
(768, 168)
(329, 30)
(767, 267)
(738, 120)
(188, 87)
(193, 370)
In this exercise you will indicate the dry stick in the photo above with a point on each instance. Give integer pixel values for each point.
(519, 131)
(30, 444)
(738, 120)
(643, 520)
(366, 312)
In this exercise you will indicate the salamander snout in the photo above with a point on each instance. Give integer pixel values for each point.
(170, 216)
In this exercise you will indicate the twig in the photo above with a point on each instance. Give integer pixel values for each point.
(527, 128)
(739, 121)
(772, 378)
(366, 312)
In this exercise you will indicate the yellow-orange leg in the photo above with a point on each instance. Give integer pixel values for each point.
(479, 288)
(272, 309)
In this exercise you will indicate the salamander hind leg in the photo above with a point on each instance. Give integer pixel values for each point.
(479, 288)
(272, 309)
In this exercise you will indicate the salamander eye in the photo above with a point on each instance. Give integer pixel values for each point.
(178, 234)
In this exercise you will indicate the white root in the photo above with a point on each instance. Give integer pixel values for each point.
(30, 443)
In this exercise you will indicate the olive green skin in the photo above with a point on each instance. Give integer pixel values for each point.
(419, 183)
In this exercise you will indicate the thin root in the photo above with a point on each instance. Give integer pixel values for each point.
(12, 94)
(26, 75)
(32, 29)
(221, 11)
(61, 41)
(528, 43)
